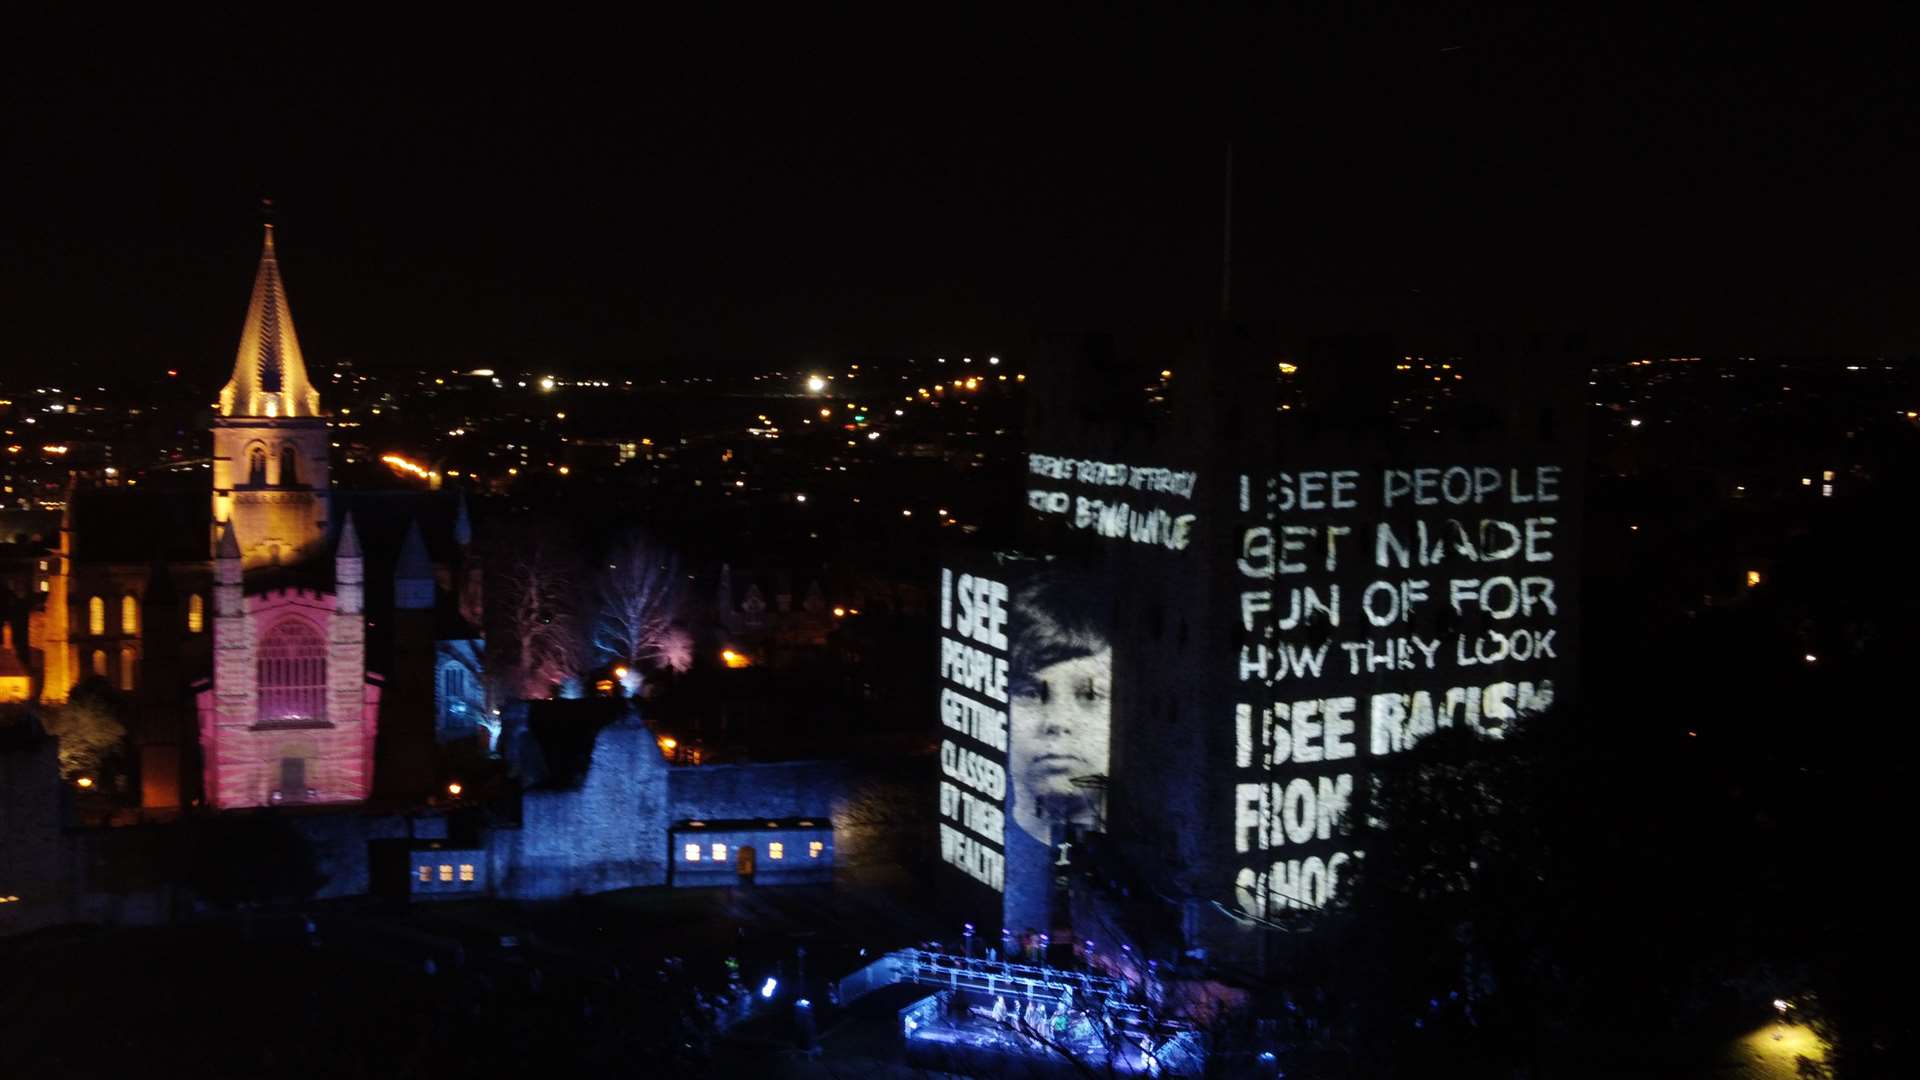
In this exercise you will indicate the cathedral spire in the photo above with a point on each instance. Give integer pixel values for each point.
(269, 375)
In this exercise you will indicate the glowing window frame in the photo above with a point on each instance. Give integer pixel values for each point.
(292, 672)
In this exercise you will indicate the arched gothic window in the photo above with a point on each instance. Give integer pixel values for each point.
(196, 614)
(289, 467)
(97, 615)
(293, 673)
(130, 614)
(100, 662)
(453, 689)
(257, 467)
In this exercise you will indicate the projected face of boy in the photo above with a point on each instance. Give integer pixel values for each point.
(1059, 722)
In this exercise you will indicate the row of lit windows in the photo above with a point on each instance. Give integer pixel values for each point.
(99, 663)
(130, 614)
(446, 872)
(775, 850)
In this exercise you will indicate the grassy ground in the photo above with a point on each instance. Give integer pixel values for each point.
(1769, 1052)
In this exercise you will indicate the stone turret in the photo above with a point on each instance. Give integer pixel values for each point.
(413, 577)
(405, 755)
(235, 689)
(349, 571)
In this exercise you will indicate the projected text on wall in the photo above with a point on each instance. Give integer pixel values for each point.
(1143, 504)
(1376, 606)
(973, 717)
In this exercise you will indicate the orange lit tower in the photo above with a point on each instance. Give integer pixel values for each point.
(269, 440)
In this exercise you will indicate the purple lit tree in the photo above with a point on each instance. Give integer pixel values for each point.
(538, 641)
(640, 591)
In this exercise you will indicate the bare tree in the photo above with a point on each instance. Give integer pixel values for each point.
(539, 641)
(640, 591)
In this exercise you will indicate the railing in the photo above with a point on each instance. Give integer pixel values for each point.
(1004, 977)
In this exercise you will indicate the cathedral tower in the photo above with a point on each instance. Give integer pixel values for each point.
(269, 439)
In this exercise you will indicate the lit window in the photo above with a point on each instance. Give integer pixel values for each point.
(127, 660)
(693, 852)
(100, 662)
(814, 848)
(97, 615)
(43, 585)
(719, 853)
(426, 873)
(776, 850)
(196, 614)
(446, 871)
(43, 566)
(129, 614)
(293, 672)
(466, 871)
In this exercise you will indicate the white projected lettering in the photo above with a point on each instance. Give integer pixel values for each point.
(974, 698)
(1376, 607)
(1142, 504)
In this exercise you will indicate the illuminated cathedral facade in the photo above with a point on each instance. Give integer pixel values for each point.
(234, 620)
(290, 713)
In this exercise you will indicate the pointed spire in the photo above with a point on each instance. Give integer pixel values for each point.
(414, 580)
(462, 525)
(229, 545)
(413, 563)
(349, 540)
(269, 374)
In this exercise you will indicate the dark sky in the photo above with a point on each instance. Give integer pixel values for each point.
(648, 198)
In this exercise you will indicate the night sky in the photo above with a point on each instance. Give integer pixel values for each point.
(651, 198)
